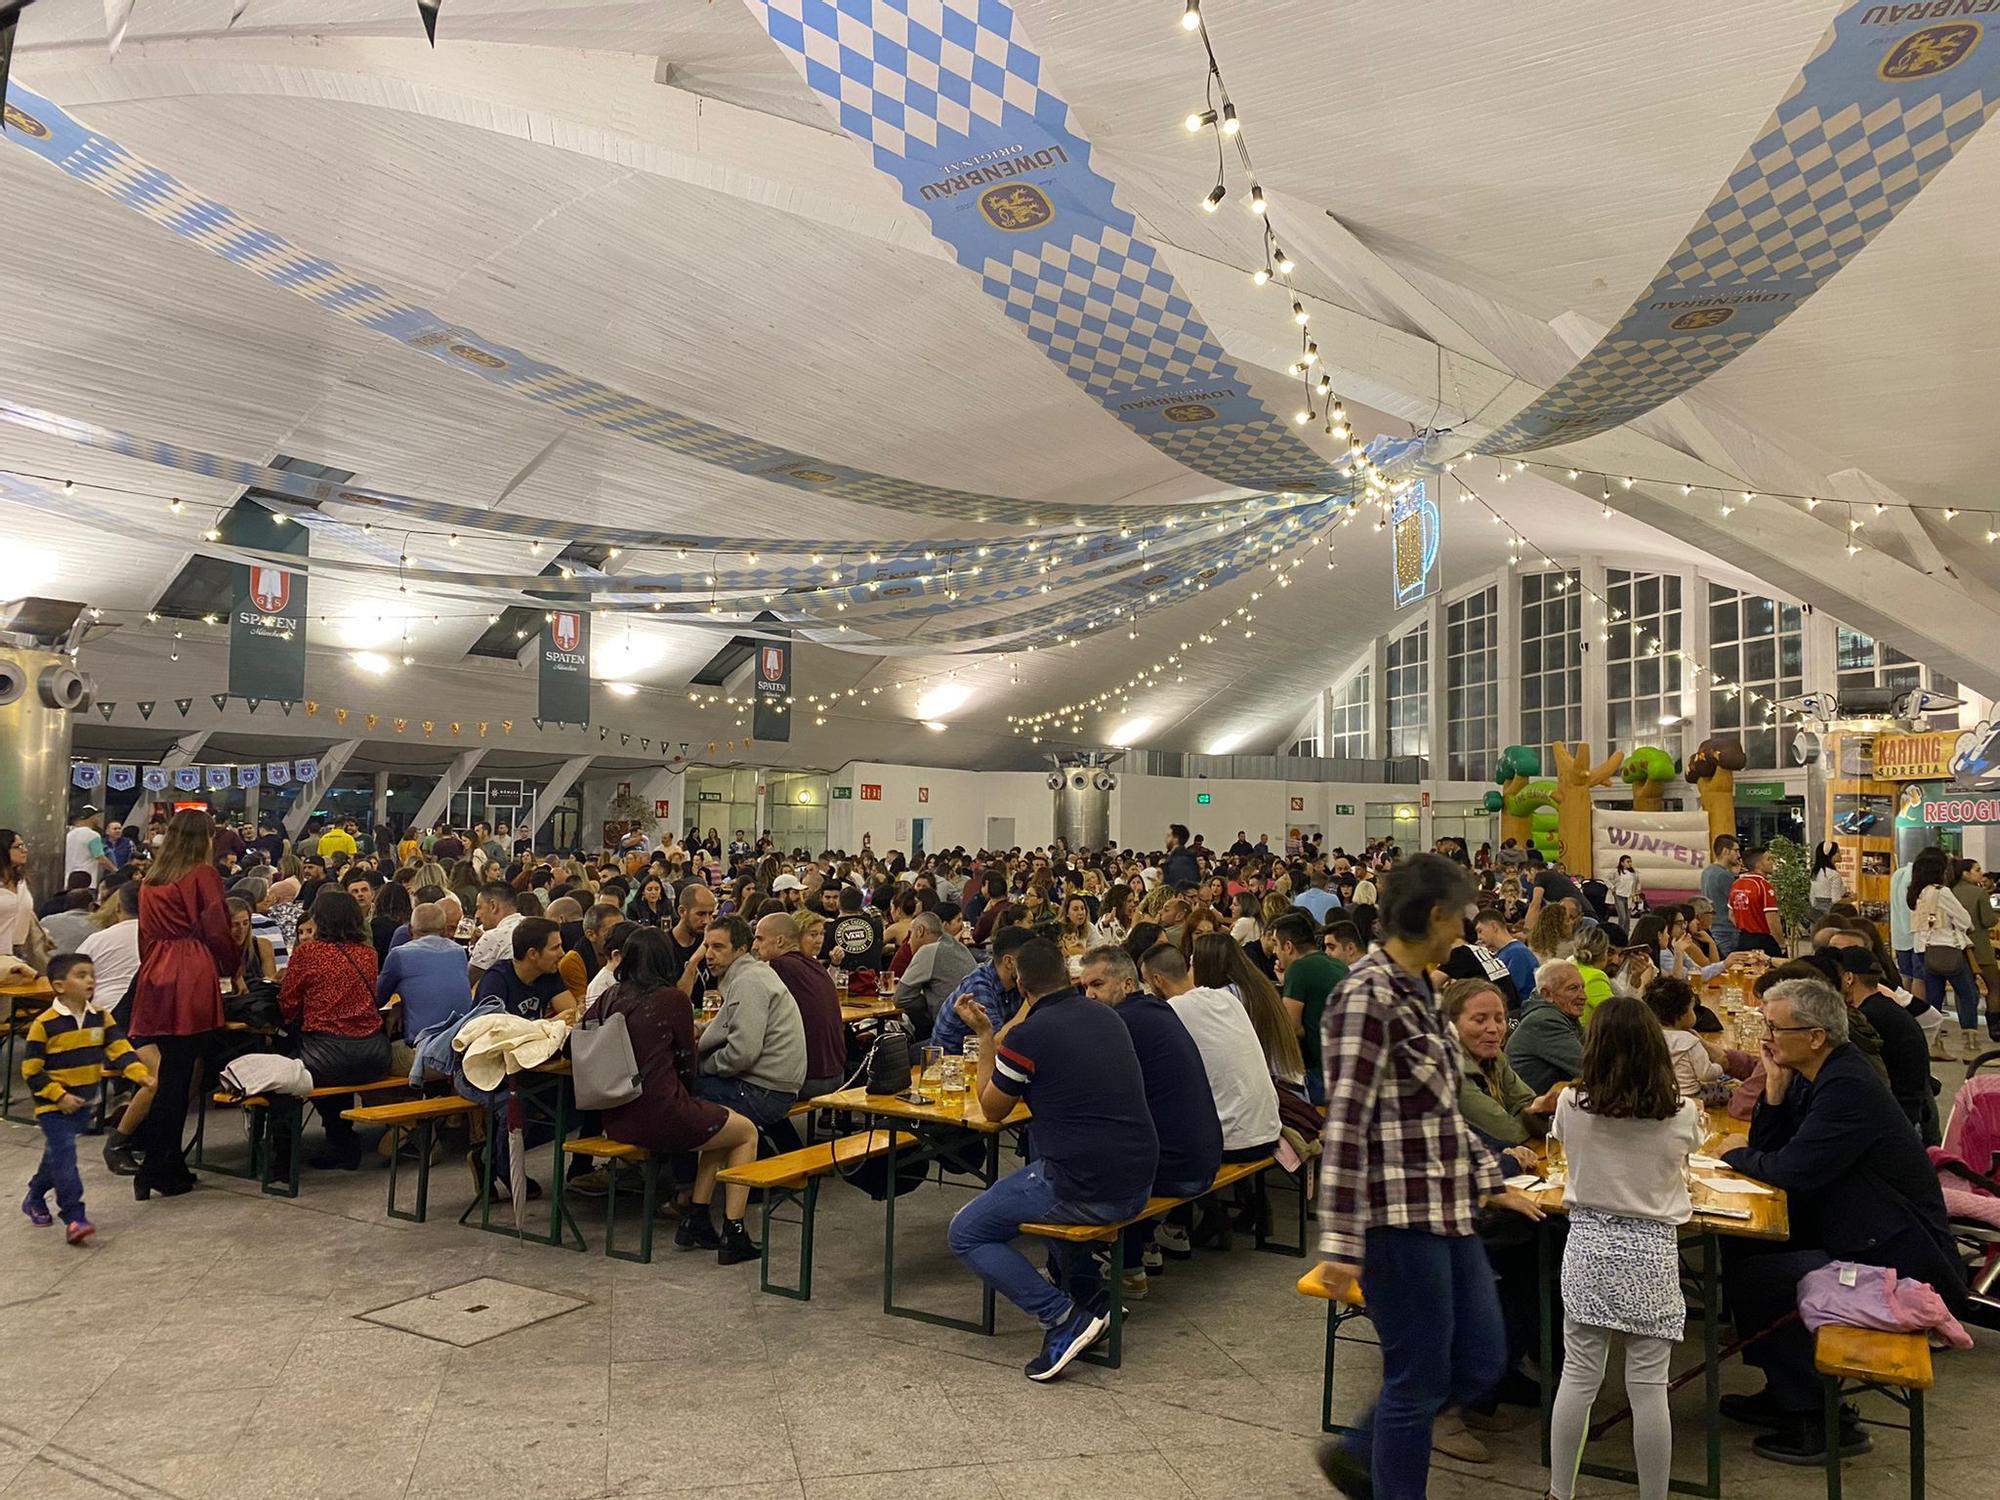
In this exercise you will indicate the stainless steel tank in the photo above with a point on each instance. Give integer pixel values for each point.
(34, 755)
(1083, 807)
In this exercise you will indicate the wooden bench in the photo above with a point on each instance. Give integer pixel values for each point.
(421, 1116)
(1896, 1365)
(1340, 1310)
(261, 1111)
(796, 1176)
(616, 1156)
(1114, 1235)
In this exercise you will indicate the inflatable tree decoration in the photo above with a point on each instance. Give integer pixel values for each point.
(1647, 771)
(1712, 768)
(1515, 801)
(1575, 778)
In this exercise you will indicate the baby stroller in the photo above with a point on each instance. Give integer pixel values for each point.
(1968, 1168)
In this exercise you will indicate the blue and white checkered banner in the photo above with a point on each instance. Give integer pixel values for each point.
(188, 779)
(249, 776)
(84, 774)
(153, 778)
(1888, 97)
(955, 105)
(304, 771)
(277, 773)
(215, 778)
(1230, 436)
(121, 778)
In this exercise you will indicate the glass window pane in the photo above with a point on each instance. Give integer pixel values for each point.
(1722, 622)
(1758, 616)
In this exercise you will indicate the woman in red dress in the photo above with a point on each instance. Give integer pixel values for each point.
(185, 944)
(667, 1117)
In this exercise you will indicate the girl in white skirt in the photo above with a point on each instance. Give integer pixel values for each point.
(1626, 1132)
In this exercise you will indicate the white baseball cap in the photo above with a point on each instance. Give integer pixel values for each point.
(788, 883)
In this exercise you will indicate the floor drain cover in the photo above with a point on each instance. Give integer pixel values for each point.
(474, 1311)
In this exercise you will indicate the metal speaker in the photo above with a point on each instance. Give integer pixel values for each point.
(63, 687)
(1055, 781)
(13, 681)
(1078, 781)
(89, 699)
(1105, 783)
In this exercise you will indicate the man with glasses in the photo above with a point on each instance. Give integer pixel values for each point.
(1828, 1132)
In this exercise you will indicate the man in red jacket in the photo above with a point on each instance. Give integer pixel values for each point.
(776, 942)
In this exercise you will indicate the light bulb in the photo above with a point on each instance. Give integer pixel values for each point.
(1230, 124)
(1214, 199)
(1199, 118)
(1286, 265)
(173, 505)
(1261, 275)
(1299, 314)
(1303, 415)
(1191, 18)
(1258, 204)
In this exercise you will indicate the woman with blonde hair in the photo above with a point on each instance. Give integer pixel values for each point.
(1553, 932)
(1220, 963)
(185, 946)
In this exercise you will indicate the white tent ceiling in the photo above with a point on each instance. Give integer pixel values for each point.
(645, 193)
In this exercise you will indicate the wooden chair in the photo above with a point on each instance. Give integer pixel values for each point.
(1114, 1235)
(795, 1177)
(286, 1112)
(1897, 1365)
(1340, 1311)
(616, 1156)
(421, 1116)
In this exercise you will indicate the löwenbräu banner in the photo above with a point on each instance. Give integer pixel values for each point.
(267, 615)
(565, 674)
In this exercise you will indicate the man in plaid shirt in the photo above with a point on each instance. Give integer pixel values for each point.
(1402, 1179)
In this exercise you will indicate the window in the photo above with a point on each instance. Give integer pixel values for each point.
(1642, 666)
(1472, 690)
(1348, 719)
(1305, 745)
(1407, 693)
(1862, 661)
(1757, 644)
(1551, 659)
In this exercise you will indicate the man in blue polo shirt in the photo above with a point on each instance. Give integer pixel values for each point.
(1177, 1096)
(1073, 1064)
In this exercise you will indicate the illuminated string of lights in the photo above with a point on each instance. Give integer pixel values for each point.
(1731, 498)
(1220, 117)
(1643, 643)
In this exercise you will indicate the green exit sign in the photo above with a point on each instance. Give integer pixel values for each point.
(1343, 809)
(843, 794)
(1203, 799)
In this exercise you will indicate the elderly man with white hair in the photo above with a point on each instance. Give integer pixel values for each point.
(1546, 1047)
(1861, 1188)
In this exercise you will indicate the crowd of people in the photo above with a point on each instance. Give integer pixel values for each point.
(1419, 1021)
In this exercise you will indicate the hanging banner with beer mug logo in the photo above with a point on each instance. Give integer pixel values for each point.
(771, 686)
(565, 675)
(267, 616)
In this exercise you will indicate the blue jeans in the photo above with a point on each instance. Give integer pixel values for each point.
(1432, 1300)
(760, 1106)
(1963, 989)
(58, 1168)
(982, 1234)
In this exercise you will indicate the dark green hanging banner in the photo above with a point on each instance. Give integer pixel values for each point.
(565, 645)
(770, 688)
(267, 618)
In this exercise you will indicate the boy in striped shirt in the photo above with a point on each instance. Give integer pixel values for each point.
(71, 1049)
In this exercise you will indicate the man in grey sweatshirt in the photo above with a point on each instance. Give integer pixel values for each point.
(753, 1054)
